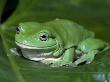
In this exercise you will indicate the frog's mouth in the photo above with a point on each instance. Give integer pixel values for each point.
(35, 53)
(25, 46)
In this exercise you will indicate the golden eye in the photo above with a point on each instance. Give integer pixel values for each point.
(43, 36)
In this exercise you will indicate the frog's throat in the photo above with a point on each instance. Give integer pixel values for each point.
(24, 46)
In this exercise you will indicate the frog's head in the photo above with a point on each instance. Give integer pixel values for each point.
(35, 36)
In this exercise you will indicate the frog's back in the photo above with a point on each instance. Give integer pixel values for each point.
(71, 33)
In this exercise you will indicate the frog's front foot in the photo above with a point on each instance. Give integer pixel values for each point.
(16, 51)
(74, 65)
(61, 63)
(88, 62)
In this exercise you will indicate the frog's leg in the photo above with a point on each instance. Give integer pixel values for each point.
(66, 59)
(90, 47)
(58, 52)
(15, 51)
(56, 56)
(89, 57)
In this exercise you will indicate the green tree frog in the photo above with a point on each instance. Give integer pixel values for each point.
(56, 42)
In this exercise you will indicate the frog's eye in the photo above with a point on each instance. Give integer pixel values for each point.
(17, 30)
(43, 36)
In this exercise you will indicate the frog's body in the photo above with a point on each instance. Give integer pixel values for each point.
(55, 42)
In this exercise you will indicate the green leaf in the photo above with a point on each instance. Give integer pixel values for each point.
(6, 72)
(94, 15)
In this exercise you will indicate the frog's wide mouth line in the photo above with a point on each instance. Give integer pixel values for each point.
(25, 46)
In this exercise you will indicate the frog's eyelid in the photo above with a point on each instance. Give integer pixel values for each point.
(20, 28)
(49, 35)
(17, 28)
(41, 33)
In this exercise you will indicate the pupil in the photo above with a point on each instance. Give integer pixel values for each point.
(43, 36)
(17, 30)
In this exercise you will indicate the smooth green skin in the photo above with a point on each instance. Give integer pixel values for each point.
(65, 38)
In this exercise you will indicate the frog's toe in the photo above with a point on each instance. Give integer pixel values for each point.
(15, 51)
(74, 65)
(55, 65)
(88, 62)
(60, 63)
